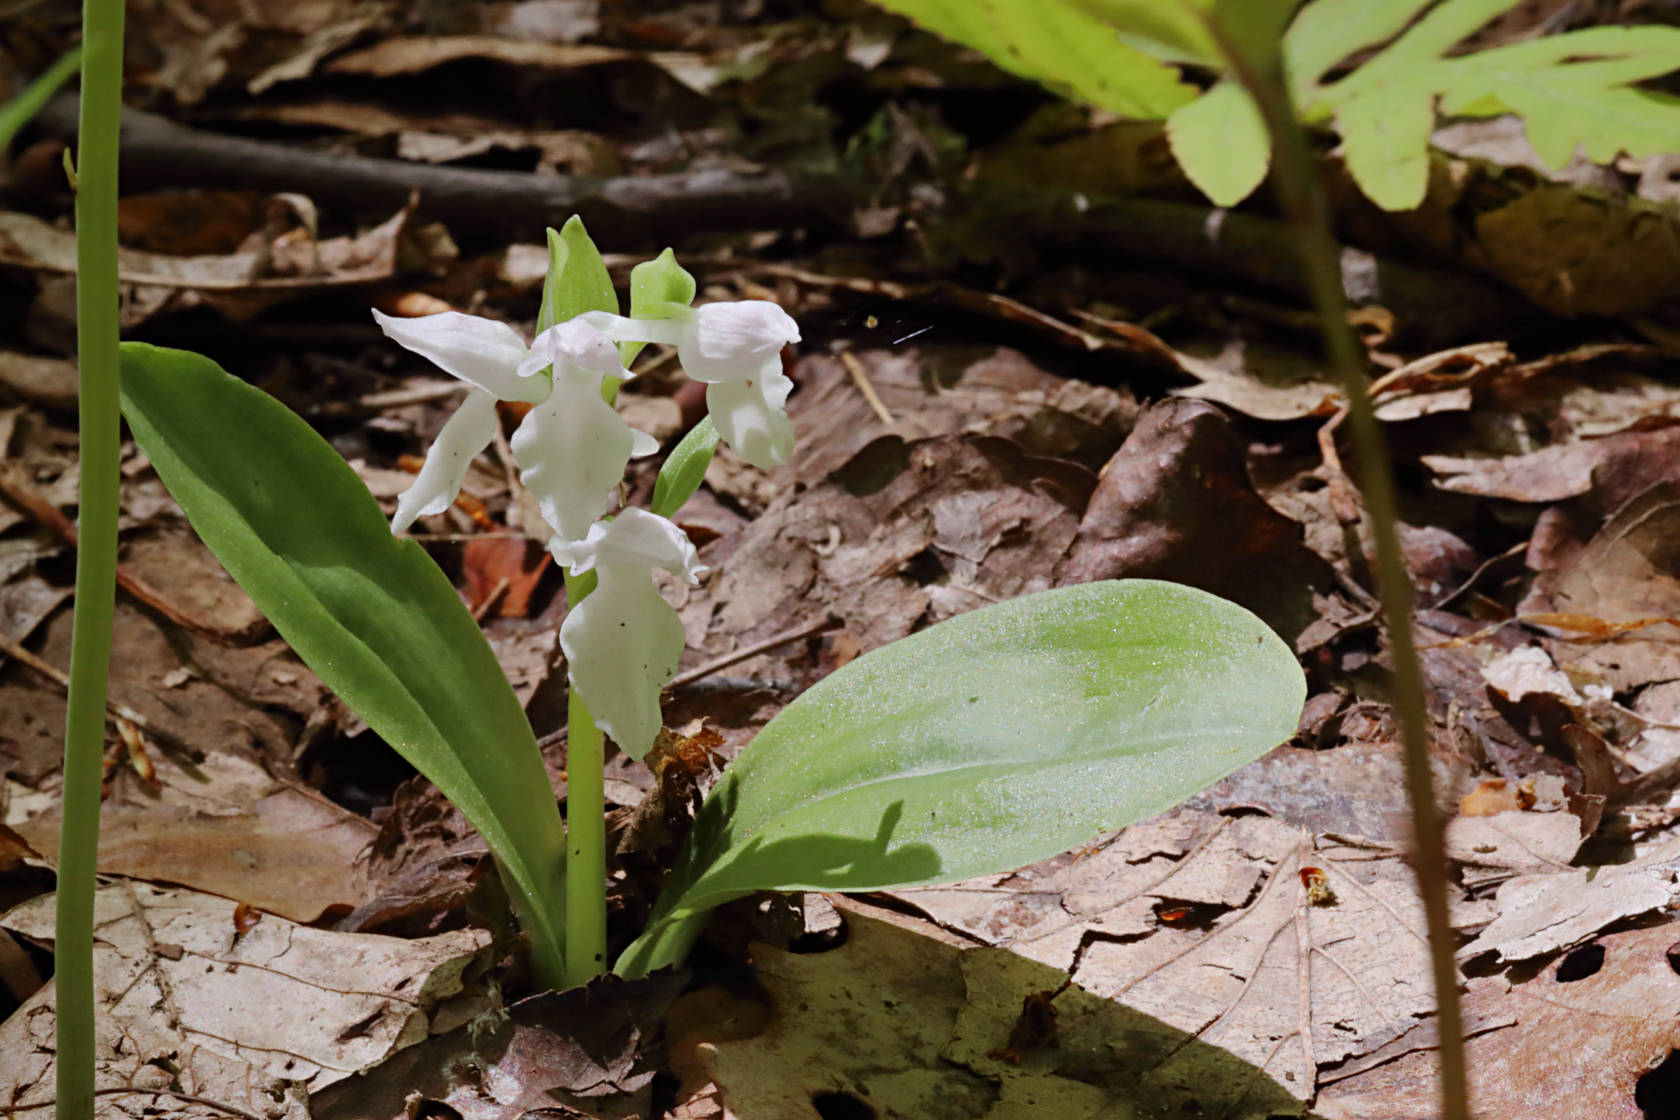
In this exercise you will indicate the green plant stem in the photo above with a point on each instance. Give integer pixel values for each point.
(1302, 195)
(586, 830)
(96, 555)
(21, 109)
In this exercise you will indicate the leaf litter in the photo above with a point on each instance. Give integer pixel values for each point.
(983, 410)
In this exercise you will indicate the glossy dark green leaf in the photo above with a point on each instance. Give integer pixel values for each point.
(371, 614)
(985, 743)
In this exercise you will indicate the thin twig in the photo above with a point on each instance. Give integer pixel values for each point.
(51, 518)
(717, 666)
(746, 652)
(116, 708)
(861, 380)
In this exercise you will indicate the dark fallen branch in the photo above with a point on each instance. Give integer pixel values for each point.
(1435, 307)
(157, 152)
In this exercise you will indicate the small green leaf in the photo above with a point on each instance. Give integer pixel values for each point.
(685, 469)
(983, 744)
(577, 277)
(1386, 141)
(1174, 31)
(1220, 140)
(1328, 31)
(1059, 43)
(371, 614)
(658, 290)
(1570, 89)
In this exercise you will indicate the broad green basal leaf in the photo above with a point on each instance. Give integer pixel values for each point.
(985, 743)
(371, 614)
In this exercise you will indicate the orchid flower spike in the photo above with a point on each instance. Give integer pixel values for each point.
(736, 349)
(572, 446)
(622, 641)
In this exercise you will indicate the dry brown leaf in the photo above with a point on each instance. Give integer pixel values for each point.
(1626, 573)
(278, 1004)
(1540, 914)
(1612, 470)
(1176, 503)
(587, 1052)
(1573, 1041)
(224, 826)
(399, 55)
(1251, 965)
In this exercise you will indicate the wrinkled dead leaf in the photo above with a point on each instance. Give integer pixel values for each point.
(282, 1002)
(1203, 922)
(584, 1052)
(223, 826)
(1540, 914)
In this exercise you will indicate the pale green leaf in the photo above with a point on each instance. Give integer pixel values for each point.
(659, 289)
(1571, 90)
(1169, 30)
(1220, 140)
(1059, 44)
(985, 743)
(1328, 31)
(685, 469)
(577, 277)
(371, 614)
(1386, 142)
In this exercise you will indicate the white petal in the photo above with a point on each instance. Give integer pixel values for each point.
(622, 644)
(577, 342)
(467, 433)
(572, 450)
(643, 444)
(638, 536)
(667, 332)
(730, 341)
(484, 352)
(750, 417)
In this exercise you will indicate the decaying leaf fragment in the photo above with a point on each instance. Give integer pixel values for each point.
(242, 1015)
(1203, 921)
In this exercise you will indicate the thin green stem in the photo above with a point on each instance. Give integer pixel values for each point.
(21, 109)
(96, 556)
(1302, 195)
(586, 831)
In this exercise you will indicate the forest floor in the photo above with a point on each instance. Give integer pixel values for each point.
(1032, 356)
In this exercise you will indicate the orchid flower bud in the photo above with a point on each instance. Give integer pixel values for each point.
(623, 640)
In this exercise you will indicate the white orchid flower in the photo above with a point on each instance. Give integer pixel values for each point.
(623, 640)
(572, 446)
(736, 349)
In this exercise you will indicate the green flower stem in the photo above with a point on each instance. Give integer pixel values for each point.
(96, 555)
(586, 830)
(1302, 195)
